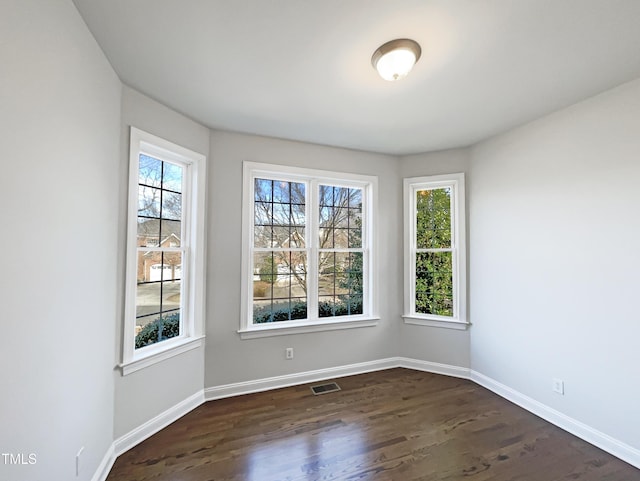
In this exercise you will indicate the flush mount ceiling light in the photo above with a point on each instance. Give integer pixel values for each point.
(395, 59)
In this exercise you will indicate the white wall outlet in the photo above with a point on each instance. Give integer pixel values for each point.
(80, 451)
(288, 353)
(558, 386)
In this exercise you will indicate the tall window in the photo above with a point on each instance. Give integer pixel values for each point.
(340, 258)
(159, 250)
(435, 265)
(280, 253)
(165, 241)
(309, 248)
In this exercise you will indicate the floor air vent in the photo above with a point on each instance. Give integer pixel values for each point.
(325, 388)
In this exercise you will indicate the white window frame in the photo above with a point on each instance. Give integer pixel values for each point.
(193, 262)
(312, 179)
(458, 248)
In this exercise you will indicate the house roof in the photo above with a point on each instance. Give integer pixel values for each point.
(150, 228)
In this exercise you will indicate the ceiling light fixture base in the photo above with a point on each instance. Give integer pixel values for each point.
(395, 59)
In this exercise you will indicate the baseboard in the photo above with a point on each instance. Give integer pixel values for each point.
(613, 446)
(162, 420)
(434, 367)
(105, 465)
(277, 382)
(605, 442)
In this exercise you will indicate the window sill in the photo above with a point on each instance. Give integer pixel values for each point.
(162, 352)
(284, 329)
(434, 322)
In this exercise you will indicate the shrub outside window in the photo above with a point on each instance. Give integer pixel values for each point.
(435, 260)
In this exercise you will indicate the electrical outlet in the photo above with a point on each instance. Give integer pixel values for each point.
(558, 386)
(80, 451)
(288, 353)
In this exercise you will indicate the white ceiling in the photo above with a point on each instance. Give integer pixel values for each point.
(300, 69)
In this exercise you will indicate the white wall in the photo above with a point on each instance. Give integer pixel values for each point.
(59, 122)
(554, 231)
(229, 359)
(144, 394)
(435, 344)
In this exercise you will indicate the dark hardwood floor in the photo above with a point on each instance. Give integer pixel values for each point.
(397, 425)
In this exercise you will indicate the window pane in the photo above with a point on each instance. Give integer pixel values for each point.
(326, 306)
(171, 205)
(148, 232)
(263, 213)
(281, 214)
(282, 192)
(298, 214)
(279, 286)
(325, 230)
(325, 195)
(341, 272)
(153, 329)
(170, 232)
(171, 295)
(355, 228)
(264, 270)
(298, 193)
(158, 296)
(330, 271)
(434, 283)
(355, 198)
(172, 266)
(340, 238)
(340, 197)
(340, 283)
(355, 305)
(281, 236)
(148, 201)
(150, 171)
(279, 222)
(296, 238)
(149, 265)
(147, 301)
(354, 277)
(433, 218)
(263, 189)
(340, 217)
(262, 236)
(172, 177)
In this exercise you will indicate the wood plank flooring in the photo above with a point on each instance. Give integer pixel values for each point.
(396, 425)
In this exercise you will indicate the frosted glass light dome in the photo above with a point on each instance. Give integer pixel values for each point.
(395, 59)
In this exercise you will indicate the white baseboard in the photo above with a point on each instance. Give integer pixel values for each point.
(277, 382)
(434, 367)
(613, 446)
(162, 420)
(605, 442)
(105, 465)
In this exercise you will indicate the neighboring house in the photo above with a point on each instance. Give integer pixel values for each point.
(154, 265)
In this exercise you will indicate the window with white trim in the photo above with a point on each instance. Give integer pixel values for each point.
(308, 255)
(435, 253)
(164, 304)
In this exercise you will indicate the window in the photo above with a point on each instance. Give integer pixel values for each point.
(308, 261)
(165, 245)
(435, 253)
